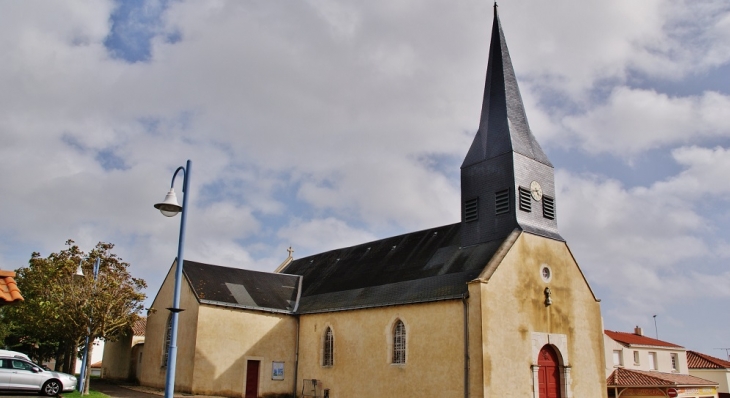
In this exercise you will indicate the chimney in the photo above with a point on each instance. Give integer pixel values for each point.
(638, 331)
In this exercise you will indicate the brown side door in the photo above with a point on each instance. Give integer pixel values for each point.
(252, 379)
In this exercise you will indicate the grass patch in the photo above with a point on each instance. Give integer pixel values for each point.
(76, 394)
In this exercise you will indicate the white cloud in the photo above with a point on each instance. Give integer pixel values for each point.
(632, 121)
(703, 176)
(572, 46)
(639, 243)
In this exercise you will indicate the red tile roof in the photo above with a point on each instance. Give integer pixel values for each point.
(139, 327)
(96, 365)
(9, 292)
(634, 339)
(642, 378)
(697, 360)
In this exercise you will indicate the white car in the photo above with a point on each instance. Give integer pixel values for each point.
(17, 374)
(8, 353)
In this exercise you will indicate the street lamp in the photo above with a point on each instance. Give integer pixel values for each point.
(82, 374)
(169, 208)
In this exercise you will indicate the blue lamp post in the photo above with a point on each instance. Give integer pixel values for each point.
(170, 208)
(82, 375)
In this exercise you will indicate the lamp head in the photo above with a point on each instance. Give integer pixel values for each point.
(169, 207)
(79, 271)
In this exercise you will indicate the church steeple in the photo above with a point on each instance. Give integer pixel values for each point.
(503, 125)
(506, 178)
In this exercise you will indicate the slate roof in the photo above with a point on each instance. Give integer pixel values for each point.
(642, 378)
(503, 124)
(9, 292)
(698, 360)
(240, 288)
(421, 266)
(631, 339)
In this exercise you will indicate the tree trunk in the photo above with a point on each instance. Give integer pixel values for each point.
(69, 360)
(87, 376)
(59, 359)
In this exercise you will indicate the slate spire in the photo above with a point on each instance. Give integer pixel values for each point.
(503, 125)
(507, 181)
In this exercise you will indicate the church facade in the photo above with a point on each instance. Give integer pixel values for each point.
(492, 306)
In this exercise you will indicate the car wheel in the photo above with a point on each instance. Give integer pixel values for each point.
(51, 388)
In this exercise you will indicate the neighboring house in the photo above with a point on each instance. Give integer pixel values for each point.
(95, 369)
(710, 368)
(9, 292)
(641, 366)
(122, 357)
(492, 306)
(97, 354)
(626, 383)
(639, 352)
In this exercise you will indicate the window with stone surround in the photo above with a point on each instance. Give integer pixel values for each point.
(399, 343)
(328, 349)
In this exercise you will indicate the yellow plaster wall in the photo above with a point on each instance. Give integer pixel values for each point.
(512, 302)
(116, 360)
(152, 372)
(228, 337)
(363, 343)
(719, 376)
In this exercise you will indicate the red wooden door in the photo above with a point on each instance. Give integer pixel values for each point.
(252, 379)
(549, 373)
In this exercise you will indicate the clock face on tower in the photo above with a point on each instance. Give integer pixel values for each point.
(536, 190)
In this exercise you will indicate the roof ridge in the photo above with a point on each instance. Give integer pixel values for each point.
(636, 339)
(717, 361)
(642, 378)
(339, 249)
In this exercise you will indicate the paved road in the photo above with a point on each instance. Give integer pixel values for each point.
(109, 389)
(116, 391)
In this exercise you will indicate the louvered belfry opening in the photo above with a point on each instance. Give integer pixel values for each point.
(548, 207)
(525, 199)
(471, 210)
(501, 202)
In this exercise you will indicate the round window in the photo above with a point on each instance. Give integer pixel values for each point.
(546, 273)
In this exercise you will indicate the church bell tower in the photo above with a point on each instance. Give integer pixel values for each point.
(507, 181)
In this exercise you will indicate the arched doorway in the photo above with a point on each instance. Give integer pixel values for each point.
(548, 374)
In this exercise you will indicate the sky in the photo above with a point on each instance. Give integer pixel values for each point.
(320, 124)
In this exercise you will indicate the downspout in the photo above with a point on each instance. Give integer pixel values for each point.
(296, 357)
(466, 344)
(296, 346)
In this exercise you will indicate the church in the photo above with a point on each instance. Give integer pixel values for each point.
(492, 306)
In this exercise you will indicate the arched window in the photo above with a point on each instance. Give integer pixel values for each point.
(328, 349)
(168, 337)
(399, 342)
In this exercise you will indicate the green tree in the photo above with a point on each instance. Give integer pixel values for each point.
(60, 308)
